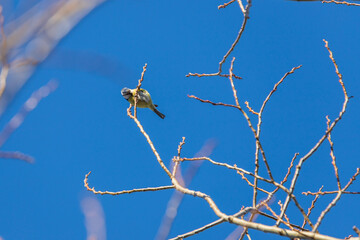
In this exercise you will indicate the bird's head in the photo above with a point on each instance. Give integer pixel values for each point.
(126, 92)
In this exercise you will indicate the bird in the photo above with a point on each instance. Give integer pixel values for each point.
(144, 99)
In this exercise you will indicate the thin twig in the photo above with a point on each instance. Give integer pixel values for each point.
(213, 103)
(277, 217)
(136, 95)
(327, 192)
(312, 206)
(250, 109)
(242, 29)
(245, 11)
(148, 189)
(341, 2)
(333, 162)
(258, 131)
(274, 218)
(226, 4)
(336, 199)
(318, 144)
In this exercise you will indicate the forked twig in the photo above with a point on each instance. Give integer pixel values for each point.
(245, 11)
(318, 144)
(335, 200)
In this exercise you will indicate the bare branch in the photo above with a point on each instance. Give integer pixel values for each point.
(341, 2)
(250, 109)
(318, 144)
(257, 134)
(245, 11)
(332, 155)
(212, 224)
(312, 206)
(336, 199)
(213, 103)
(148, 189)
(226, 4)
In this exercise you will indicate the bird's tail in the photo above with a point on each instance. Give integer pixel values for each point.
(159, 113)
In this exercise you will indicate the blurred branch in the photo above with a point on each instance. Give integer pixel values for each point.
(177, 197)
(28, 106)
(33, 36)
(94, 218)
(17, 155)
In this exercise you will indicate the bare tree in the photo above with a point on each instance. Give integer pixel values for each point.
(245, 217)
(39, 34)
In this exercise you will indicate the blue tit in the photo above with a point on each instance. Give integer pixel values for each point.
(144, 99)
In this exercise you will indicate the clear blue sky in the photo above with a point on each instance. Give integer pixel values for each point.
(83, 125)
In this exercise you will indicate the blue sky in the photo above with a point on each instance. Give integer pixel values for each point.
(83, 125)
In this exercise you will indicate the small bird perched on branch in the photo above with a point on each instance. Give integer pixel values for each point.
(143, 100)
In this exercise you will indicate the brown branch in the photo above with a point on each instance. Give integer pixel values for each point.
(274, 218)
(258, 131)
(289, 169)
(244, 233)
(341, 2)
(217, 211)
(226, 4)
(327, 192)
(250, 184)
(213, 103)
(148, 189)
(278, 185)
(211, 75)
(250, 109)
(318, 144)
(312, 206)
(333, 162)
(136, 95)
(242, 29)
(285, 216)
(335, 200)
(277, 217)
(245, 11)
(275, 88)
(212, 224)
